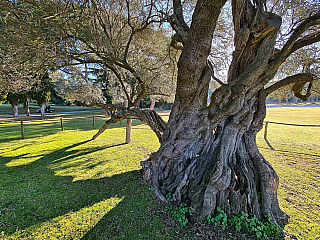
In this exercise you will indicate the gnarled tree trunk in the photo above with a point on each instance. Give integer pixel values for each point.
(217, 165)
(208, 154)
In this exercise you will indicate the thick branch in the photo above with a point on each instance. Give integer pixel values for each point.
(150, 117)
(193, 60)
(299, 81)
(105, 126)
(305, 42)
(177, 21)
(293, 43)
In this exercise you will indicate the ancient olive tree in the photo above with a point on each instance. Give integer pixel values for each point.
(208, 153)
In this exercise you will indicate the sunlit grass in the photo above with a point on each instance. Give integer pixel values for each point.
(61, 185)
(73, 225)
(296, 158)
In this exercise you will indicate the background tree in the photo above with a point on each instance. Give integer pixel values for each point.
(3, 97)
(41, 92)
(122, 36)
(14, 99)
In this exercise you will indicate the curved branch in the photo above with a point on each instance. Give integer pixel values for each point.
(293, 43)
(115, 71)
(177, 21)
(299, 81)
(298, 87)
(125, 55)
(305, 42)
(212, 73)
(150, 117)
(140, 96)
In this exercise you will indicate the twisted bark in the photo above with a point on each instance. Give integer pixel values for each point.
(208, 156)
(217, 165)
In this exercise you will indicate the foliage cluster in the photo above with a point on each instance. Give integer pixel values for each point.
(244, 222)
(40, 91)
(180, 213)
(121, 38)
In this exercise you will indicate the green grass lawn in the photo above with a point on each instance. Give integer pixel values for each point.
(295, 155)
(61, 185)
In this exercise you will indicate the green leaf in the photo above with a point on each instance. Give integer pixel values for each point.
(76, 5)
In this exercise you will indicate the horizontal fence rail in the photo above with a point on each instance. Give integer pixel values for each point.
(293, 124)
(59, 119)
(288, 124)
(93, 118)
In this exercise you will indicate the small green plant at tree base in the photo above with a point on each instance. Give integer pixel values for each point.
(245, 222)
(169, 197)
(248, 223)
(219, 218)
(179, 213)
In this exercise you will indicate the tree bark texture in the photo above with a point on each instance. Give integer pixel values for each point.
(15, 110)
(128, 131)
(26, 107)
(42, 110)
(208, 155)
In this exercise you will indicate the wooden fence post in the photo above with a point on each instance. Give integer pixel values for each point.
(128, 130)
(265, 130)
(22, 129)
(61, 122)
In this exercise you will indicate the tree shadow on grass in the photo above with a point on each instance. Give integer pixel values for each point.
(34, 198)
(12, 132)
(286, 151)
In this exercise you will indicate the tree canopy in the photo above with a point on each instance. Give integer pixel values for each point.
(121, 37)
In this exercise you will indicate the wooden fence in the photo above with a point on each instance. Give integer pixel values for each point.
(60, 119)
(288, 124)
(102, 116)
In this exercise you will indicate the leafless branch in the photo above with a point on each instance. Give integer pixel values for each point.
(212, 73)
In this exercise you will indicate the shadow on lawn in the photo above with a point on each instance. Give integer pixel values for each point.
(11, 132)
(286, 151)
(34, 195)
